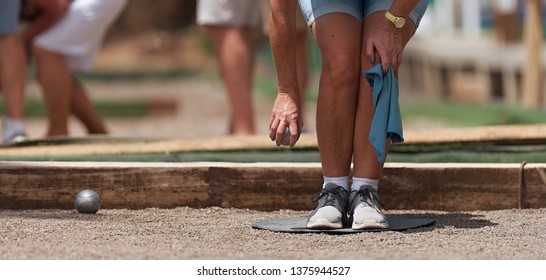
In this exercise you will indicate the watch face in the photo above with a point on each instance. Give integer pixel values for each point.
(400, 22)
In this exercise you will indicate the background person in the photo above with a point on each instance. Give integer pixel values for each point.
(71, 46)
(13, 69)
(231, 25)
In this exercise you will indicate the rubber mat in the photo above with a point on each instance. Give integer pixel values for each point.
(297, 225)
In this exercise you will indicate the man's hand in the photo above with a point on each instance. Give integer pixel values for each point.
(285, 114)
(384, 45)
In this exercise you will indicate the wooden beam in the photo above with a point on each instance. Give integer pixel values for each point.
(264, 186)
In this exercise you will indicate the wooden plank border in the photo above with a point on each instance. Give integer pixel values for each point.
(263, 186)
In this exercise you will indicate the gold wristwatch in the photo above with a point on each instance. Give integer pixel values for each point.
(398, 22)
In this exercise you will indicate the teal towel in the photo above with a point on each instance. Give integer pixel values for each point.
(387, 121)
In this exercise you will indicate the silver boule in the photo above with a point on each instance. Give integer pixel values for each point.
(87, 202)
(286, 137)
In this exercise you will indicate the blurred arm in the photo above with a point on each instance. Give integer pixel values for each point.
(52, 11)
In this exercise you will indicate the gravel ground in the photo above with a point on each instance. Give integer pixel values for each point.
(218, 233)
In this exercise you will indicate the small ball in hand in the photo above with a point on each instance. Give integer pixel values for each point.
(286, 137)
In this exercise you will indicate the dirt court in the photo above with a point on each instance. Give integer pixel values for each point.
(218, 233)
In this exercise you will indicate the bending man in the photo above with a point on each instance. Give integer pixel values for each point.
(353, 36)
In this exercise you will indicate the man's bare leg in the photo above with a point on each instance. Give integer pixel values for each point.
(338, 38)
(366, 164)
(364, 208)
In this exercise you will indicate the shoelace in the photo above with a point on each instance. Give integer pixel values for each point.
(330, 197)
(367, 195)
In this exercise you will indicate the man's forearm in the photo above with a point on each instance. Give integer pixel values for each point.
(282, 35)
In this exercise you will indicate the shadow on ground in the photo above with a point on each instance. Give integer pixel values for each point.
(452, 219)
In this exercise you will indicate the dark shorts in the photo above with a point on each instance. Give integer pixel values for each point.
(313, 9)
(9, 16)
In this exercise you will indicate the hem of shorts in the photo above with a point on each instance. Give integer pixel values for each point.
(66, 56)
(8, 32)
(54, 47)
(414, 16)
(334, 8)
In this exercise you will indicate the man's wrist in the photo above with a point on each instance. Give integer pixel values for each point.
(397, 21)
(291, 93)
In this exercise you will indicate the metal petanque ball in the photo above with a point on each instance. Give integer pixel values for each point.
(87, 202)
(286, 137)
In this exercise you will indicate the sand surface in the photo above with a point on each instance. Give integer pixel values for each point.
(218, 233)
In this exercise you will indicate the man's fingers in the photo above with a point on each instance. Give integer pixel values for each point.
(294, 134)
(271, 120)
(281, 129)
(370, 50)
(399, 61)
(385, 60)
(377, 59)
(273, 129)
(385, 63)
(394, 63)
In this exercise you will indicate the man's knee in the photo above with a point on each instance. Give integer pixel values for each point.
(341, 68)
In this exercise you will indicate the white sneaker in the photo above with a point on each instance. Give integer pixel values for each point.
(331, 211)
(365, 209)
(13, 131)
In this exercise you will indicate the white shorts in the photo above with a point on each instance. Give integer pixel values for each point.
(79, 34)
(229, 12)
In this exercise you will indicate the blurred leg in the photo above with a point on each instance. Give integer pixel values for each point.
(57, 86)
(13, 71)
(83, 109)
(235, 52)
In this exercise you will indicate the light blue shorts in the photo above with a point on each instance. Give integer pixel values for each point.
(313, 9)
(9, 16)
